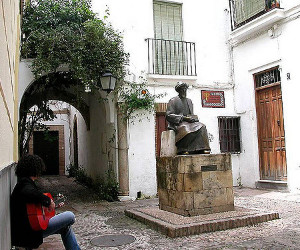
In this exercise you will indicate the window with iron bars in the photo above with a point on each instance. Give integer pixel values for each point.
(270, 76)
(229, 134)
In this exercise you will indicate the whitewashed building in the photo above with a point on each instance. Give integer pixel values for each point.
(170, 41)
(231, 53)
(265, 57)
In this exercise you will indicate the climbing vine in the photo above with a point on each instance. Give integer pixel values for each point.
(136, 97)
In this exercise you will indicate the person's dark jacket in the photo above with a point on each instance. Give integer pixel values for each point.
(22, 234)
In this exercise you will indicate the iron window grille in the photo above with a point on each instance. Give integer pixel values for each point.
(229, 134)
(270, 76)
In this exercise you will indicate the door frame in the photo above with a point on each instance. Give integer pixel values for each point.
(61, 146)
(75, 141)
(268, 86)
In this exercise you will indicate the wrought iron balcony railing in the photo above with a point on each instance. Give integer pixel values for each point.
(168, 57)
(244, 11)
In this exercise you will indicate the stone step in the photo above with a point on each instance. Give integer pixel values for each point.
(269, 184)
(174, 225)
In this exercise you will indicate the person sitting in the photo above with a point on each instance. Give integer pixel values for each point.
(28, 169)
(190, 134)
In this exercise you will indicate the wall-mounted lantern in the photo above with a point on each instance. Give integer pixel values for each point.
(108, 82)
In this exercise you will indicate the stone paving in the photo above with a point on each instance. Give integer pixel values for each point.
(96, 218)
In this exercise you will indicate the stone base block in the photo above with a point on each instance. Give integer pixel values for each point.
(195, 184)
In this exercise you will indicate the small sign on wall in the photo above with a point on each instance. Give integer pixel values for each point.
(212, 99)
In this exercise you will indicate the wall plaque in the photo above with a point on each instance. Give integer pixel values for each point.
(212, 99)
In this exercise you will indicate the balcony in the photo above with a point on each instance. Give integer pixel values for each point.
(169, 57)
(244, 11)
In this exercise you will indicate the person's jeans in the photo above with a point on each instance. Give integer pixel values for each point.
(61, 224)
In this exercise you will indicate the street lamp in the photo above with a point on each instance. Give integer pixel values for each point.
(108, 82)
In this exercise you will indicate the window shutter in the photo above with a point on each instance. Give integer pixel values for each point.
(167, 21)
(245, 9)
(169, 51)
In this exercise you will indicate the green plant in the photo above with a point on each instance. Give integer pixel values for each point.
(105, 189)
(136, 96)
(72, 170)
(30, 120)
(68, 32)
(239, 182)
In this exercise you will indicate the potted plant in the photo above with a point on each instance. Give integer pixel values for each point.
(275, 4)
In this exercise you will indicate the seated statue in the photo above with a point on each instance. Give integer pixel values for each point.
(190, 134)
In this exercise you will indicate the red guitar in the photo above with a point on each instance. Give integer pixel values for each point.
(39, 215)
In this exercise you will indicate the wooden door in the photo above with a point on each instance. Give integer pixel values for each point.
(46, 146)
(271, 134)
(161, 125)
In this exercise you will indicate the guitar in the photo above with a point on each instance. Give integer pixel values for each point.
(39, 215)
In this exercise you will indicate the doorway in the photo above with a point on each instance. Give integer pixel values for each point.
(34, 148)
(271, 136)
(46, 145)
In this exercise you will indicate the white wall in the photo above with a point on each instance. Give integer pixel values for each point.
(141, 154)
(94, 152)
(289, 49)
(82, 135)
(134, 19)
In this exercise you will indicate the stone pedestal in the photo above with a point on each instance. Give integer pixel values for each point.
(168, 147)
(192, 185)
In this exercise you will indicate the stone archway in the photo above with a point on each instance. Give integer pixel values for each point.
(56, 86)
(95, 125)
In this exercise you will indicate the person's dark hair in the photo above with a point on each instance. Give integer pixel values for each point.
(30, 165)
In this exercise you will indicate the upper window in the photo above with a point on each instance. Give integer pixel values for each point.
(167, 21)
(168, 53)
(243, 11)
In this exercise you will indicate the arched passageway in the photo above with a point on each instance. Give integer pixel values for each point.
(90, 122)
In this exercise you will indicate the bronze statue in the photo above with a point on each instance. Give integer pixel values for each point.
(191, 135)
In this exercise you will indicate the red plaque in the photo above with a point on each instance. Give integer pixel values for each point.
(213, 99)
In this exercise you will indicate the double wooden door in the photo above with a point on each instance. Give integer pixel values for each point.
(271, 137)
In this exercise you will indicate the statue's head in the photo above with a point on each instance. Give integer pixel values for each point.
(181, 88)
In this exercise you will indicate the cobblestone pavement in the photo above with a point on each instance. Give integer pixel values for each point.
(97, 218)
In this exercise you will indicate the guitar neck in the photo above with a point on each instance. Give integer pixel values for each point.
(59, 200)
